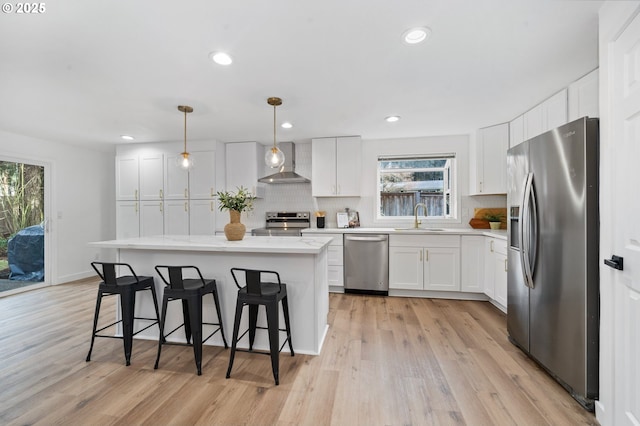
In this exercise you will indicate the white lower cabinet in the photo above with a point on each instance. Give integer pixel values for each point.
(335, 261)
(202, 217)
(495, 271)
(151, 218)
(472, 263)
(176, 217)
(429, 262)
(127, 219)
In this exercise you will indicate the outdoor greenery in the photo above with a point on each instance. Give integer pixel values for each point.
(21, 197)
(242, 200)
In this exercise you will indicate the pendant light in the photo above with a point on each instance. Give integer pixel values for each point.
(274, 157)
(184, 160)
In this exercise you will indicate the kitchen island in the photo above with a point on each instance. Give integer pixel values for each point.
(300, 261)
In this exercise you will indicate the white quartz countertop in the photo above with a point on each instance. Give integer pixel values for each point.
(501, 233)
(308, 244)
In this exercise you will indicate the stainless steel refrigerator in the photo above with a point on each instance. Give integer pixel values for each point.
(553, 294)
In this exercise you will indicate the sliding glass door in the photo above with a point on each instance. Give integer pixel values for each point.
(22, 225)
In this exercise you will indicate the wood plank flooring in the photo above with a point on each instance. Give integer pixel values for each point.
(386, 361)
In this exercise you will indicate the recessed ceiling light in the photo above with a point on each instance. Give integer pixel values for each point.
(392, 118)
(127, 137)
(286, 125)
(221, 58)
(416, 35)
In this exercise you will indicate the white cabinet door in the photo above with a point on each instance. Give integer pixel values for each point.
(489, 268)
(472, 263)
(335, 275)
(533, 122)
(127, 178)
(491, 159)
(323, 167)
(500, 279)
(202, 178)
(406, 269)
(127, 219)
(176, 180)
(554, 111)
(442, 269)
(584, 97)
(336, 166)
(176, 217)
(151, 218)
(348, 166)
(202, 217)
(516, 131)
(151, 177)
(244, 163)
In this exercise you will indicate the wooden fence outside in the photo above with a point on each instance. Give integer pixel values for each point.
(402, 203)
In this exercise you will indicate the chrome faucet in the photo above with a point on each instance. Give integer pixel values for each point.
(416, 222)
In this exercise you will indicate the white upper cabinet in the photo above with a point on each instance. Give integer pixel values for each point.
(548, 115)
(583, 97)
(151, 176)
(202, 217)
(516, 131)
(176, 179)
(245, 165)
(176, 217)
(491, 160)
(127, 178)
(127, 219)
(202, 178)
(336, 165)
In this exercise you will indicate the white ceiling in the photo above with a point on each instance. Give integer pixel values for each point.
(86, 72)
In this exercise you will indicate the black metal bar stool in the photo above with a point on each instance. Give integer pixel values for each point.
(191, 291)
(126, 286)
(253, 294)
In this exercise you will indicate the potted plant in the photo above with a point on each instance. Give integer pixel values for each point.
(495, 220)
(236, 203)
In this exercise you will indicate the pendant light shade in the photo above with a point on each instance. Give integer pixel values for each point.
(274, 158)
(185, 161)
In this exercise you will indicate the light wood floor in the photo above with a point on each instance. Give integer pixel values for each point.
(386, 361)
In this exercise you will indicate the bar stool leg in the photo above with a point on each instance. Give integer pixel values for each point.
(253, 321)
(95, 324)
(234, 339)
(217, 303)
(128, 303)
(161, 339)
(155, 301)
(273, 323)
(285, 312)
(187, 320)
(195, 316)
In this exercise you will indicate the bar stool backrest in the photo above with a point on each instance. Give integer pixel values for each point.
(176, 279)
(253, 279)
(107, 271)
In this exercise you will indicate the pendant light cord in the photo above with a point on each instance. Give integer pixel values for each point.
(274, 127)
(185, 131)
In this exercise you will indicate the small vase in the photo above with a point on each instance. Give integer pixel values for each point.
(495, 225)
(234, 230)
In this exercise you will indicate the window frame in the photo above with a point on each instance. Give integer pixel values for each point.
(449, 192)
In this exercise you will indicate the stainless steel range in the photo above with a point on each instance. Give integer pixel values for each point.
(284, 224)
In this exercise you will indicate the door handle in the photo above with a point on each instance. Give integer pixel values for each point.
(616, 262)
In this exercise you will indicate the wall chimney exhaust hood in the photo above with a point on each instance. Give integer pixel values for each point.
(287, 173)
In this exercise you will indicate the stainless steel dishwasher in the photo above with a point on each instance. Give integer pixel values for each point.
(366, 263)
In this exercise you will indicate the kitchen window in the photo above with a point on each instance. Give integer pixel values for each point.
(405, 181)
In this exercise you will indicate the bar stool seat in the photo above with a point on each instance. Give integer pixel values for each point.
(254, 294)
(191, 292)
(126, 287)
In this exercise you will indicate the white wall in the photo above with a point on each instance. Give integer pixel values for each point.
(81, 203)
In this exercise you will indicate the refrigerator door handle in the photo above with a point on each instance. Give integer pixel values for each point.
(525, 236)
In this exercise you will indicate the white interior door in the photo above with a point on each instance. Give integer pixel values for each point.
(620, 231)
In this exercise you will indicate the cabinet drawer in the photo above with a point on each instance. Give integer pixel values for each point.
(337, 238)
(499, 246)
(335, 276)
(334, 255)
(424, 240)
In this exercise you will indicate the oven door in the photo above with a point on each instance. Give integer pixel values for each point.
(277, 232)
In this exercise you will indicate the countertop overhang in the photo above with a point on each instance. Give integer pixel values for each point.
(500, 233)
(309, 244)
